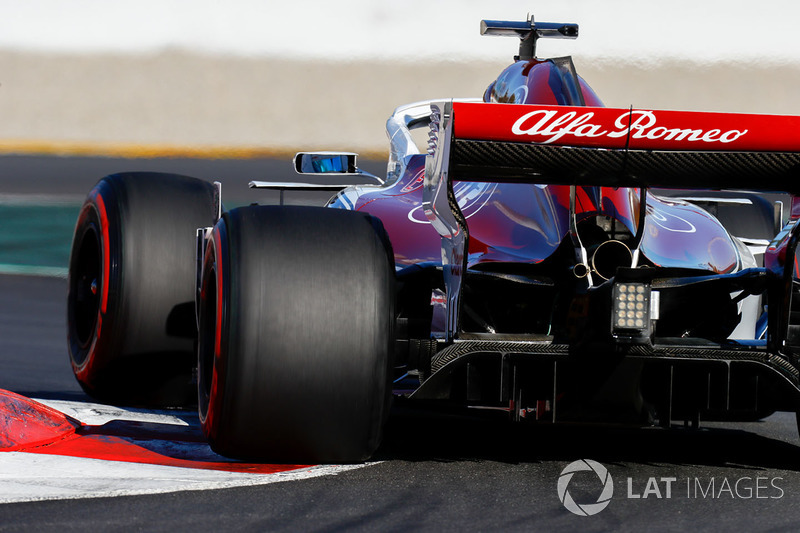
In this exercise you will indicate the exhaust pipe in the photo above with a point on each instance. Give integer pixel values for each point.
(580, 270)
(610, 255)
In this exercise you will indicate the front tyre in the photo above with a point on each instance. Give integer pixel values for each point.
(296, 334)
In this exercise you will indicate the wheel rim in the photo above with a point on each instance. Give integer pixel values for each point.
(85, 283)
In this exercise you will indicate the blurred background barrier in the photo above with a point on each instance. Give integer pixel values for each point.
(179, 100)
(36, 238)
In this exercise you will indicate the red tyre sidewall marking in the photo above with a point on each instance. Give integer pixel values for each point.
(220, 299)
(210, 422)
(98, 205)
(106, 254)
(218, 376)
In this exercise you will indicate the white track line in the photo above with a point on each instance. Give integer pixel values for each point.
(26, 477)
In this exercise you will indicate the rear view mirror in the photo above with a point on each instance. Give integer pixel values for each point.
(326, 163)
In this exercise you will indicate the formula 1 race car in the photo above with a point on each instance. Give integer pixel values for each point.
(543, 257)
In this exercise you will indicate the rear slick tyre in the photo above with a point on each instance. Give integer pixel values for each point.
(131, 324)
(296, 335)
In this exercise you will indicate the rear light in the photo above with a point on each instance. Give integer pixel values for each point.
(633, 307)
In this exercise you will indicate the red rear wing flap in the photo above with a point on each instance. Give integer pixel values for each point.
(624, 147)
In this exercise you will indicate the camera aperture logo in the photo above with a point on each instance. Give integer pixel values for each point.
(605, 487)
(593, 488)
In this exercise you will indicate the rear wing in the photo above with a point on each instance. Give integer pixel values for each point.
(624, 147)
(605, 147)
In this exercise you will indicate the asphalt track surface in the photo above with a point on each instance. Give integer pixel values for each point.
(434, 471)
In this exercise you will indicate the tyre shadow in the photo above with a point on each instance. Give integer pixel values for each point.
(417, 435)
